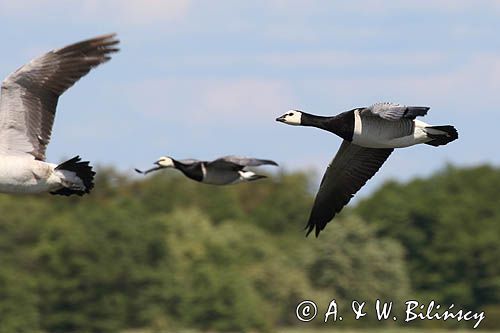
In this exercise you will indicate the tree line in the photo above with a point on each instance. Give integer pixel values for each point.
(164, 252)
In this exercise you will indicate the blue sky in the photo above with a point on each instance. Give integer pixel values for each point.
(203, 79)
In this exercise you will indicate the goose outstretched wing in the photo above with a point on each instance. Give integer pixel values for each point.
(349, 170)
(393, 112)
(241, 161)
(29, 95)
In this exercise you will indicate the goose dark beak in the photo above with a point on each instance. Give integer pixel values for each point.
(152, 169)
(148, 170)
(281, 119)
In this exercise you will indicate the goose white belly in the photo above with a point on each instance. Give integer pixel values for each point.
(216, 176)
(375, 132)
(26, 175)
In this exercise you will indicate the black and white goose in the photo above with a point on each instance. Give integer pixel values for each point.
(370, 135)
(27, 109)
(222, 171)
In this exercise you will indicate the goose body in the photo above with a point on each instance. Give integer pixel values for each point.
(28, 103)
(20, 174)
(370, 135)
(222, 171)
(375, 132)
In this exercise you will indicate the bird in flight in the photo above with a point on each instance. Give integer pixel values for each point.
(370, 134)
(222, 171)
(28, 104)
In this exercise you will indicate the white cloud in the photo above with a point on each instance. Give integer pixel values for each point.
(475, 83)
(211, 100)
(244, 98)
(321, 59)
(291, 7)
(131, 12)
(139, 12)
(384, 6)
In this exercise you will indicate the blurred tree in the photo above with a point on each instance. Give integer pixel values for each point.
(357, 265)
(19, 232)
(18, 300)
(351, 263)
(165, 192)
(96, 269)
(278, 206)
(449, 225)
(210, 290)
(166, 252)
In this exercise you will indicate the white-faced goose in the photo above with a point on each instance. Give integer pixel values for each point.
(27, 108)
(370, 135)
(222, 171)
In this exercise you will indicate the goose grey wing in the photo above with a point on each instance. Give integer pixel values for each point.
(244, 161)
(189, 161)
(393, 112)
(29, 95)
(349, 170)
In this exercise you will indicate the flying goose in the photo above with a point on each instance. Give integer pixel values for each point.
(370, 135)
(27, 108)
(222, 171)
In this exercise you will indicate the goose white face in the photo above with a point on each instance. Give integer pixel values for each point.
(292, 117)
(165, 162)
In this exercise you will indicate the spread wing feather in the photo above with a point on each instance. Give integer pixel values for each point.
(349, 170)
(393, 112)
(29, 95)
(241, 161)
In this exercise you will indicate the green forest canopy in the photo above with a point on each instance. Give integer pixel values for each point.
(165, 252)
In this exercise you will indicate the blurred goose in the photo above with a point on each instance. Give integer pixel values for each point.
(222, 171)
(370, 135)
(27, 108)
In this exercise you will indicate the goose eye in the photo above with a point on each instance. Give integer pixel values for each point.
(290, 114)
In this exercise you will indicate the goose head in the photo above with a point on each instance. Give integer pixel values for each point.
(165, 162)
(292, 117)
(335, 124)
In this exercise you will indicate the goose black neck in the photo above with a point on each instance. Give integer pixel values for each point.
(341, 125)
(184, 168)
(178, 165)
(315, 121)
(193, 171)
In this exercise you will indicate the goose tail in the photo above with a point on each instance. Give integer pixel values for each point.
(77, 177)
(441, 135)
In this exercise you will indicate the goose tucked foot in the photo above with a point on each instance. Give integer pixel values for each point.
(248, 176)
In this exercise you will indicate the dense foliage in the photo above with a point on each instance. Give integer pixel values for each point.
(450, 227)
(166, 252)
